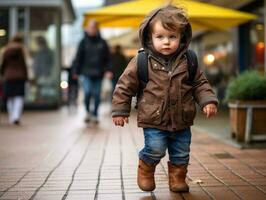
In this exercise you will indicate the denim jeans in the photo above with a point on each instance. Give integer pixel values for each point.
(92, 89)
(157, 141)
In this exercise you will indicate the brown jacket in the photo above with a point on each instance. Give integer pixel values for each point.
(167, 102)
(13, 63)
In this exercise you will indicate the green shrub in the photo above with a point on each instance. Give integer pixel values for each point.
(247, 86)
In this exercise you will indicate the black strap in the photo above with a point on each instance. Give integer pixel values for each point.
(143, 74)
(192, 66)
(142, 69)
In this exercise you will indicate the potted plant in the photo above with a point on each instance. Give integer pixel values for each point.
(246, 98)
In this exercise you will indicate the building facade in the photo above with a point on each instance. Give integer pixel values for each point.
(225, 54)
(39, 23)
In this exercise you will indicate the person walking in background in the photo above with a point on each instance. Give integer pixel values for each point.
(73, 88)
(166, 106)
(14, 72)
(43, 63)
(119, 63)
(216, 77)
(92, 63)
(43, 59)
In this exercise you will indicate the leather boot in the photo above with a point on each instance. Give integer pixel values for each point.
(146, 176)
(177, 178)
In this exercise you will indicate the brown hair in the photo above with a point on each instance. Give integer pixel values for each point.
(172, 18)
(17, 39)
(41, 41)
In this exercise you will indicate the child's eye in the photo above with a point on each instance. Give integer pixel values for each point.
(173, 37)
(159, 36)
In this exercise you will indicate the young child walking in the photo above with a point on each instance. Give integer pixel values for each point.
(166, 106)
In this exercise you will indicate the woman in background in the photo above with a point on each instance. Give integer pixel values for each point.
(14, 72)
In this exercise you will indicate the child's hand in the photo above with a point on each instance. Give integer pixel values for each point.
(210, 110)
(120, 121)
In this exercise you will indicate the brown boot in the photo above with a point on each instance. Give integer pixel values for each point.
(146, 176)
(177, 178)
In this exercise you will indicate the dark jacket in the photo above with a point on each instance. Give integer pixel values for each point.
(13, 66)
(167, 102)
(93, 57)
(119, 63)
(43, 62)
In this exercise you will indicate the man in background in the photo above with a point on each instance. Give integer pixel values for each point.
(92, 63)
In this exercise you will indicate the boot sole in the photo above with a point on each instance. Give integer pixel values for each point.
(147, 189)
(180, 190)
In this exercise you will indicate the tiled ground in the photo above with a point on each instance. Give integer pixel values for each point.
(54, 155)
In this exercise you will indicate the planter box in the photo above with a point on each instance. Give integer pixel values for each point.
(248, 120)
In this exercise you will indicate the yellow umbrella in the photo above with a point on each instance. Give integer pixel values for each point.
(201, 15)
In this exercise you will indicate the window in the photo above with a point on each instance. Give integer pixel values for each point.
(43, 52)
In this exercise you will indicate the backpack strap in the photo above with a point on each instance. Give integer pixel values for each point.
(142, 69)
(192, 65)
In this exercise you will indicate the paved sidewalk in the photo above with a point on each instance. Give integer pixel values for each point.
(54, 155)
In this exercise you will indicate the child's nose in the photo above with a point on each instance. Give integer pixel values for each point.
(166, 40)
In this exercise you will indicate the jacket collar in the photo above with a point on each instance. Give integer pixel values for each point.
(176, 63)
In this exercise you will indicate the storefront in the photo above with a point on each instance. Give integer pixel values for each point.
(217, 58)
(251, 39)
(224, 54)
(39, 23)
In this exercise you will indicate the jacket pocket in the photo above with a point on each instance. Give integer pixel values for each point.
(150, 112)
(189, 110)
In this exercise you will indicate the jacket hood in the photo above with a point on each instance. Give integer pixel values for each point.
(186, 34)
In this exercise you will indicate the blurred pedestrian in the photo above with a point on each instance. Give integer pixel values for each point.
(214, 74)
(119, 63)
(73, 87)
(43, 59)
(216, 77)
(92, 63)
(166, 105)
(14, 72)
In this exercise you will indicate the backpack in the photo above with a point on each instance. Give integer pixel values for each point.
(142, 68)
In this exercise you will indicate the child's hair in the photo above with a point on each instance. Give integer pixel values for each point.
(17, 39)
(172, 18)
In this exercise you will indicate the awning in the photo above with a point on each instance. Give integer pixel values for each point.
(201, 15)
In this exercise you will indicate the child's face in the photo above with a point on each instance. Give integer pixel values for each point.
(164, 41)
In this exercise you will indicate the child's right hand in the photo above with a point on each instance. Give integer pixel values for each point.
(120, 120)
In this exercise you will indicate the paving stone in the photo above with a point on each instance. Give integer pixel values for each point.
(15, 195)
(197, 194)
(164, 194)
(222, 193)
(110, 196)
(138, 196)
(67, 157)
(249, 192)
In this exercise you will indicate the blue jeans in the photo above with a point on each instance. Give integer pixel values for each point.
(91, 88)
(157, 141)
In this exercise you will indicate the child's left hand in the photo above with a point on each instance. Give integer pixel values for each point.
(210, 110)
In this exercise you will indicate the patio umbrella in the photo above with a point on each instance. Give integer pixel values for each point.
(201, 15)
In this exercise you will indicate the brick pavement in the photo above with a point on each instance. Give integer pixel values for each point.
(53, 155)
